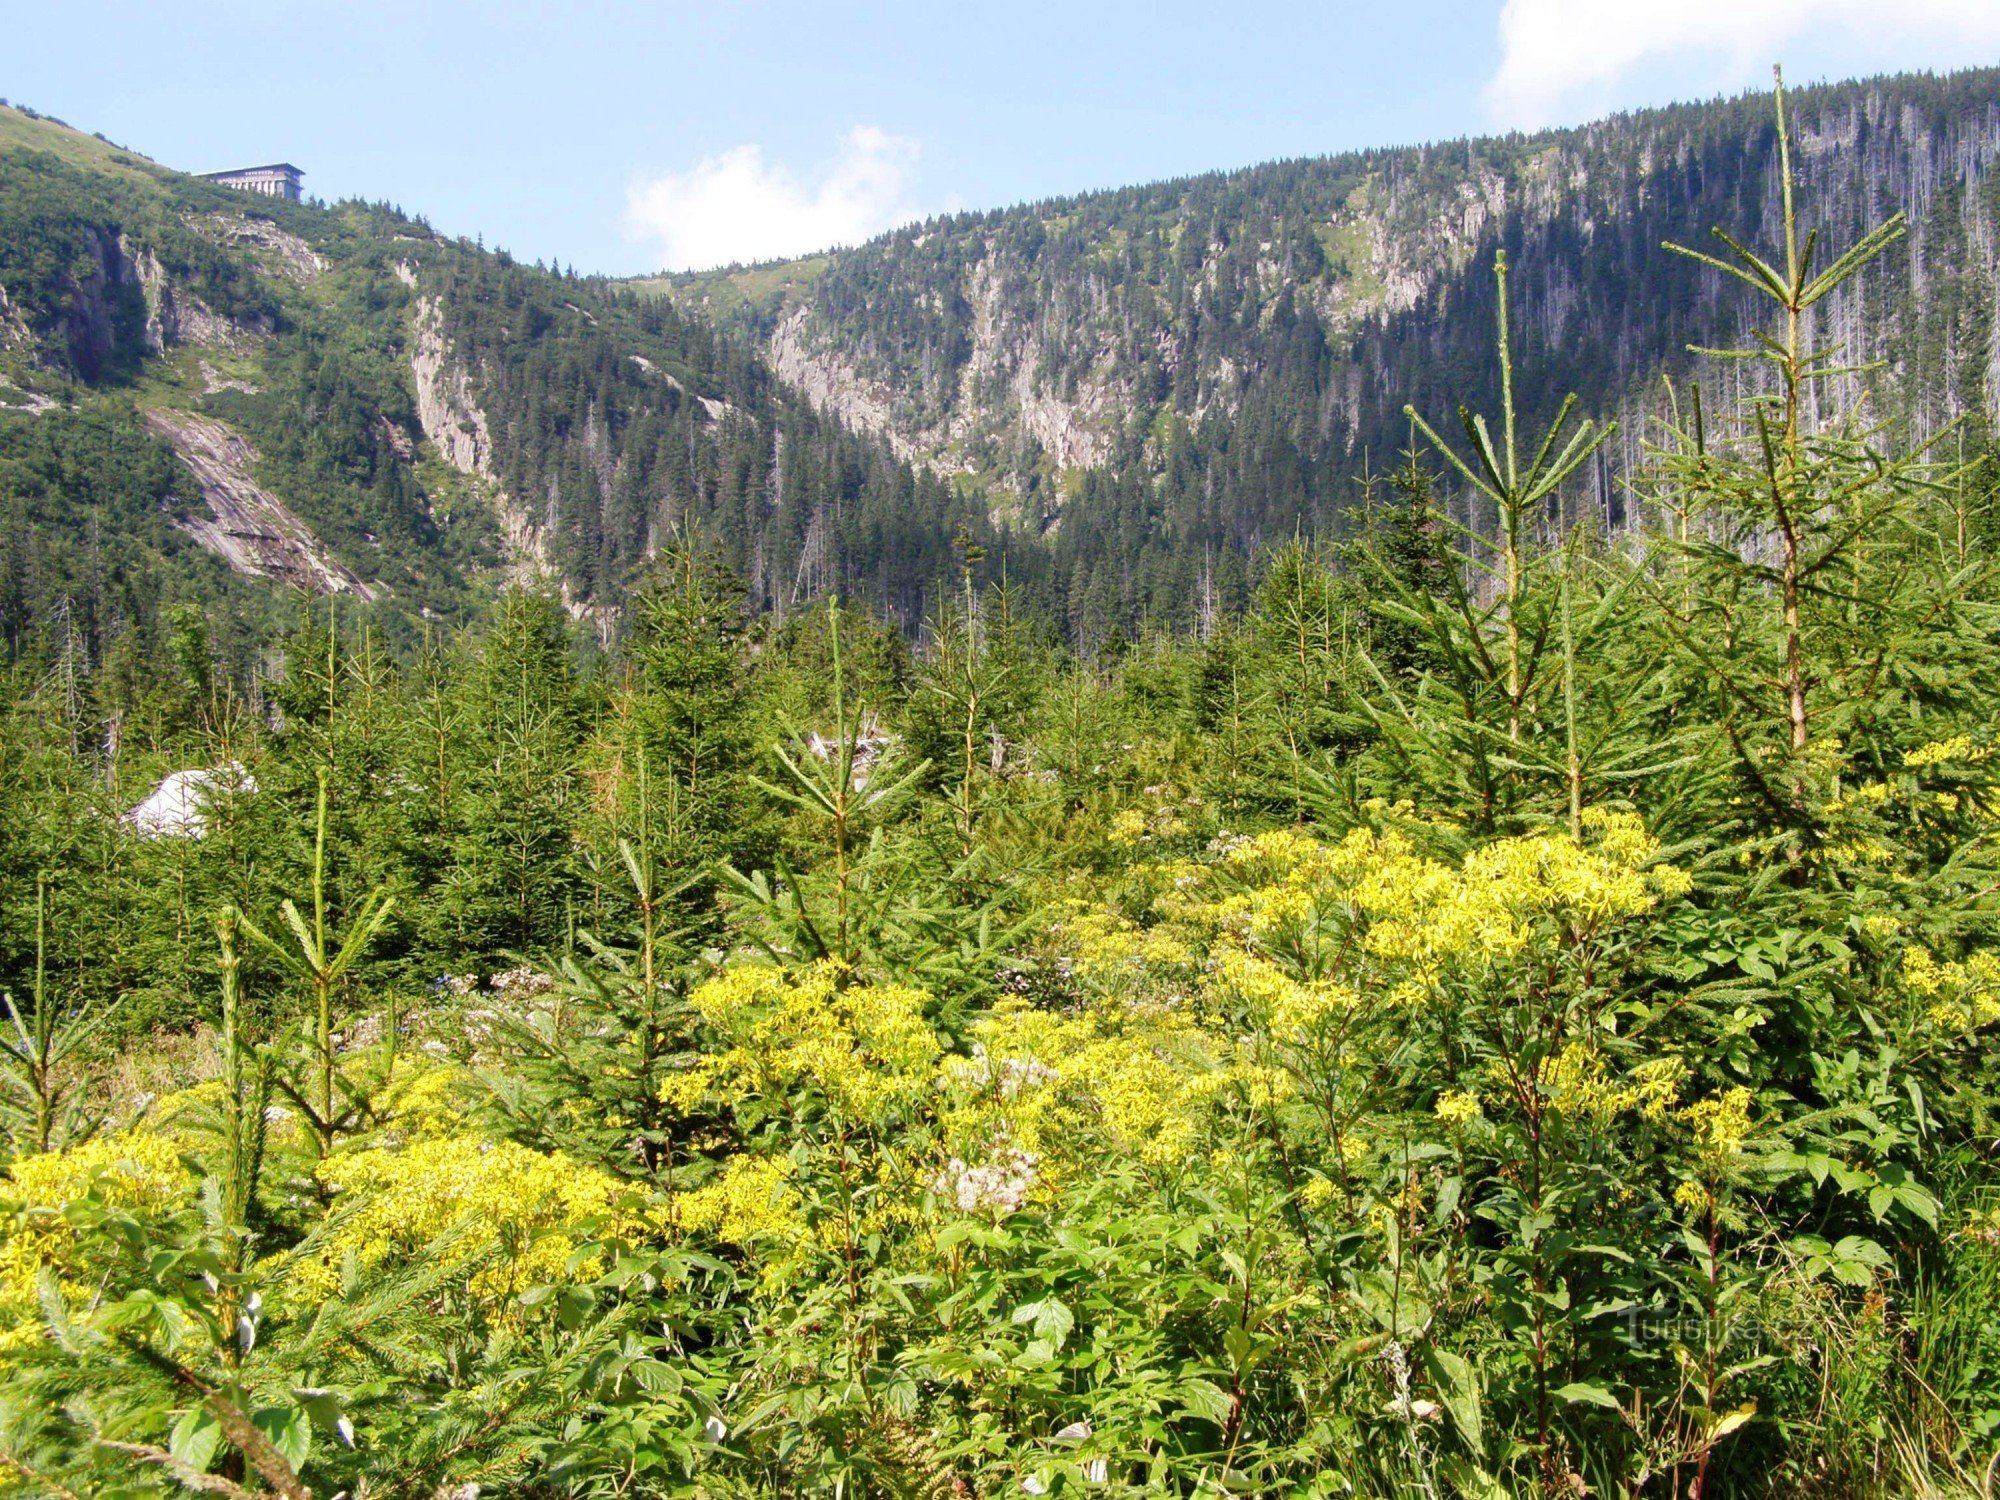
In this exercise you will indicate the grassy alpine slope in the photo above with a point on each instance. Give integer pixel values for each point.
(1501, 1024)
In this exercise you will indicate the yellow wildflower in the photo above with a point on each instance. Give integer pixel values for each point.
(1111, 950)
(137, 1171)
(1964, 994)
(866, 1048)
(422, 1099)
(686, 1090)
(1457, 1107)
(1293, 1008)
(1656, 1086)
(1041, 1082)
(1142, 1098)
(512, 1216)
(1720, 1123)
(1958, 747)
(1578, 1085)
(750, 1199)
(1693, 1195)
(1128, 827)
(1620, 836)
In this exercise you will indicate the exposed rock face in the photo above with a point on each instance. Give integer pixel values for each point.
(248, 527)
(14, 332)
(832, 384)
(89, 327)
(120, 296)
(716, 410)
(277, 250)
(13, 398)
(174, 315)
(451, 418)
(1008, 342)
(1000, 388)
(214, 381)
(1003, 391)
(449, 412)
(1006, 359)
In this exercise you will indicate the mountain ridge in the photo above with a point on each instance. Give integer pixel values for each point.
(1044, 350)
(1118, 397)
(360, 405)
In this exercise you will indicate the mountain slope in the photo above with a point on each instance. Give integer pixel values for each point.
(206, 396)
(1244, 343)
(354, 404)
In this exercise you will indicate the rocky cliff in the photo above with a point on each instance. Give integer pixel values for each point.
(248, 527)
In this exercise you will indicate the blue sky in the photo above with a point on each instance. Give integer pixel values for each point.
(626, 137)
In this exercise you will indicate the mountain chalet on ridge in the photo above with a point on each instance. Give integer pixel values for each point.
(278, 180)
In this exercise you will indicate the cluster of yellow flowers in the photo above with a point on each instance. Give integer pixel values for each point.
(1134, 825)
(1695, 1195)
(1493, 904)
(1960, 995)
(422, 1099)
(511, 1216)
(866, 1048)
(137, 1171)
(1041, 1083)
(750, 1199)
(1457, 1108)
(1113, 952)
(1940, 752)
(1294, 1010)
(1316, 944)
(1720, 1124)
(1286, 893)
(1905, 796)
(1578, 1084)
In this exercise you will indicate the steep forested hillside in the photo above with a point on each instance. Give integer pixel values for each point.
(1118, 397)
(1164, 376)
(212, 398)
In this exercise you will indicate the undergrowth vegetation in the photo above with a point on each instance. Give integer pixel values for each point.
(1511, 1015)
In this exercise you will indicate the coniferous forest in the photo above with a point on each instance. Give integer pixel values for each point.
(689, 966)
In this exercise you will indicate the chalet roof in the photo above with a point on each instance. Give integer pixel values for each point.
(275, 166)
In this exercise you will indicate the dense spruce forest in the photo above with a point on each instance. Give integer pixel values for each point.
(1169, 379)
(573, 927)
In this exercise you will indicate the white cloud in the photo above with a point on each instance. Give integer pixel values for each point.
(739, 207)
(1563, 59)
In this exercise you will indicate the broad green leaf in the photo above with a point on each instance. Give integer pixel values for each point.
(1582, 1393)
(1457, 1383)
(289, 1429)
(1205, 1399)
(1730, 1421)
(195, 1438)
